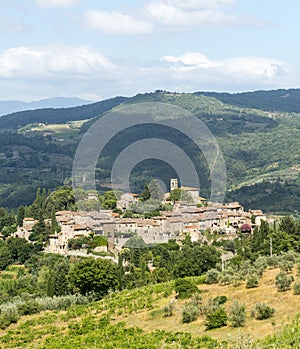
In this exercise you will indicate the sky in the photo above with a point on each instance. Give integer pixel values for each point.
(101, 49)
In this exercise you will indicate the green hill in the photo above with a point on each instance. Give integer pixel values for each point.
(17, 120)
(261, 148)
(278, 100)
(135, 319)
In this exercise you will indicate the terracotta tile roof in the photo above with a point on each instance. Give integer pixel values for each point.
(64, 219)
(188, 220)
(257, 212)
(127, 221)
(60, 213)
(80, 227)
(189, 188)
(174, 220)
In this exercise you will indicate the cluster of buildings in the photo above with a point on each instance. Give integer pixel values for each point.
(186, 218)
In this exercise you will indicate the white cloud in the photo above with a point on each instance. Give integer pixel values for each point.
(190, 13)
(229, 74)
(255, 67)
(57, 3)
(28, 73)
(198, 4)
(19, 62)
(251, 67)
(167, 15)
(190, 59)
(116, 23)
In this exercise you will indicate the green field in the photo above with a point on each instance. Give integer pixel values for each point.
(60, 132)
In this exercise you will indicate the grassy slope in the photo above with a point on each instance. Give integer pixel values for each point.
(286, 304)
(132, 326)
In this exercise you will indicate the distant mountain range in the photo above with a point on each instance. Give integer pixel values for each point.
(8, 107)
(16, 120)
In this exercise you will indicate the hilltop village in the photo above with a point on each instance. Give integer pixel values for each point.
(191, 218)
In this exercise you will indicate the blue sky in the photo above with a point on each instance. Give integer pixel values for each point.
(96, 49)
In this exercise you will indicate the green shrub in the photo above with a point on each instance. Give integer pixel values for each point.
(283, 281)
(212, 276)
(185, 288)
(260, 265)
(198, 280)
(16, 268)
(197, 299)
(252, 281)
(62, 302)
(225, 278)
(273, 261)
(8, 275)
(11, 312)
(262, 311)
(29, 307)
(216, 318)
(219, 300)
(286, 265)
(8, 314)
(237, 315)
(296, 287)
(236, 280)
(192, 309)
(190, 313)
(245, 268)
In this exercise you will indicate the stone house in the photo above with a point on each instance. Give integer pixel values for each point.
(151, 231)
(126, 200)
(92, 196)
(125, 225)
(173, 225)
(194, 192)
(233, 207)
(209, 220)
(28, 223)
(258, 216)
(25, 231)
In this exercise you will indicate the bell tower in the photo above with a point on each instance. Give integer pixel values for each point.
(173, 184)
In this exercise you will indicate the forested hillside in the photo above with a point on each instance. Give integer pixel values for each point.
(277, 100)
(261, 147)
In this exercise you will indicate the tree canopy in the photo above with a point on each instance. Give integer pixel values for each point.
(96, 276)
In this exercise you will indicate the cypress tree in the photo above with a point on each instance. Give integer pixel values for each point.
(20, 216)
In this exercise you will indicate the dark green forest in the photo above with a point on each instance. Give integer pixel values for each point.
(260, 147)
(276, 100)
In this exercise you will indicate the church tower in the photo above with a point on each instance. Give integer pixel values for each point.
(173, 184)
